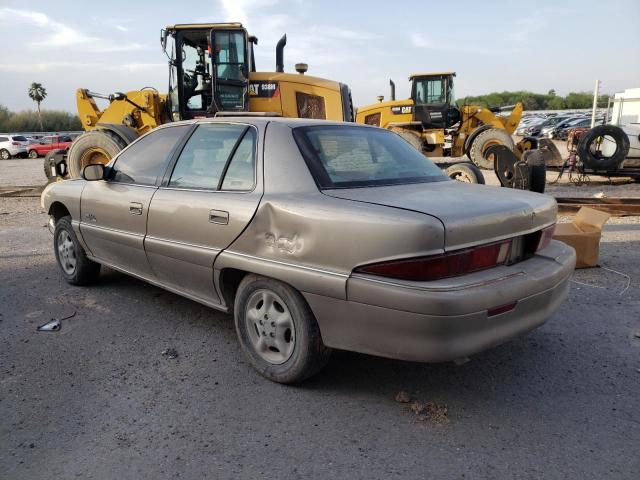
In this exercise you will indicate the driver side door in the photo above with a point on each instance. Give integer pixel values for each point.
(113, 212)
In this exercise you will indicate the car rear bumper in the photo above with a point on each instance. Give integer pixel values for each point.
(445, 320)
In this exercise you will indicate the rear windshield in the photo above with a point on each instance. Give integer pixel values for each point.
(341, 156)
(19, 138)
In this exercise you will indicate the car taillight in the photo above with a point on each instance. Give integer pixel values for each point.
(444, 265)
(16, 143)
(546, 235)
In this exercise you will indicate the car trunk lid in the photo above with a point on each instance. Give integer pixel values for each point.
(471, 214)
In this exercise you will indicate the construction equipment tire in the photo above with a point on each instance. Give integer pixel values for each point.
(491, 136)
(410, 136)
(52, 160)
(536, 161)
(465, 172)
(97, 146)
(594, 159)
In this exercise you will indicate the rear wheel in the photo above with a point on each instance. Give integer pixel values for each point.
(278, 331)
(4, 154)
(97, 146)
(465, 172)
(33, 154)
(74, 265)
(491, 136)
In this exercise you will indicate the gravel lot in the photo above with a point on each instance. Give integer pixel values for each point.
(98, 399)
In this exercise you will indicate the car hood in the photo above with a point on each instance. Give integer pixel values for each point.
(471, 214)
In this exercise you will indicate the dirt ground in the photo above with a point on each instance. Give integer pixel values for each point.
(99, 399)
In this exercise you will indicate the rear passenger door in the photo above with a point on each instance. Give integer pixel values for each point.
(114, 211)
(204, 203)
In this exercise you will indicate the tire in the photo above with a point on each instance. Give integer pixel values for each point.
(465, 172)
(96, 146)
(285, 357)
(593, 160)
(72, 259)
(33, 154)
(4, 154)
(412, 137)
(53, 158)
(491, 136)
(536, 161)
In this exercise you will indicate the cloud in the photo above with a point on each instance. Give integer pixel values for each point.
(58, 34)
(308, 39)
(418, 40)
(48, 66)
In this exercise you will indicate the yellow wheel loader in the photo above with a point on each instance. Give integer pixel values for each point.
(212, 72)
(432, 123)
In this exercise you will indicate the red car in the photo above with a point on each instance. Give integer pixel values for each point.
(46, 144)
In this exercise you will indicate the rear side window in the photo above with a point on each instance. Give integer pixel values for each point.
(4, 139)
(20, 138)
(216, 151)
(343, 156)
(145, 160)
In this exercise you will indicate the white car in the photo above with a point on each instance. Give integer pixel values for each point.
(12, 146)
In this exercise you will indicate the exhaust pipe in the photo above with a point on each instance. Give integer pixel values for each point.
(280, 53)
(393, 89)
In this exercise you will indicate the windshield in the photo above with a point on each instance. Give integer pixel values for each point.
(20, 138)
(430, 91)
(344, 157)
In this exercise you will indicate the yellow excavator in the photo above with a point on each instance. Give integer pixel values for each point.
(432, 122)
(212, 72)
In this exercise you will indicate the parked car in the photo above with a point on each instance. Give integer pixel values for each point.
(546, 131)
(563, 133)
(12, 146)
(48, 143)
(523, 126)
(536, 129)
(316, 235)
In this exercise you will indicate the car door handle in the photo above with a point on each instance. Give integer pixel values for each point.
(135, 208)
(219, 216)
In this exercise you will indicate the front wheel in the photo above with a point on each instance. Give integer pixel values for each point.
(76, 268)
(278, 331)
(4, 154)
(485, 139)
(33, 154)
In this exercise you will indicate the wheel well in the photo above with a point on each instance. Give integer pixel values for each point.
(230, 279)
(57, 210)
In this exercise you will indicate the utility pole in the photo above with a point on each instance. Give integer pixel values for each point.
(595, 103)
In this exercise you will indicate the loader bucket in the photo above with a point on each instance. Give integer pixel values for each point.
(552, 156)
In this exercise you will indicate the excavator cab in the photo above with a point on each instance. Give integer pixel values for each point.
(434, 100)
(209, 67)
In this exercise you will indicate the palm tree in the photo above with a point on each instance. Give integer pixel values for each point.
(38, 93)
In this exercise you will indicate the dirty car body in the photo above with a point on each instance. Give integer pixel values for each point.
(391, 257)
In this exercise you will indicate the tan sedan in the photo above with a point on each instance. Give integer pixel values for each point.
(316, 235)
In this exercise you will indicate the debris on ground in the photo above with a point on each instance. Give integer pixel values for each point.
(170, 352)
(402, 397)
(55, 324)
(52, 325)
(434, 412)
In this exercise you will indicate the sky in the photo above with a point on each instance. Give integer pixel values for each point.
(493, 46)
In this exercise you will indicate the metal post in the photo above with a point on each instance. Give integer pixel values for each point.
(595, 103)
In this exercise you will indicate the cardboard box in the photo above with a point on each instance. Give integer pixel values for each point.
(583, 234)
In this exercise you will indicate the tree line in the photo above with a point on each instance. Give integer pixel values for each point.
(536, 101)
(29, 121)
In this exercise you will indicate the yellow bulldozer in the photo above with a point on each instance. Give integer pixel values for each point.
(212, 72)
(432, 122)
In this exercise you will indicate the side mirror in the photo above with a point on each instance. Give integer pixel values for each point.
(163, 39)
(93, 172)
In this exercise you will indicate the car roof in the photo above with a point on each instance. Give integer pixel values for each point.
(262, 120)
